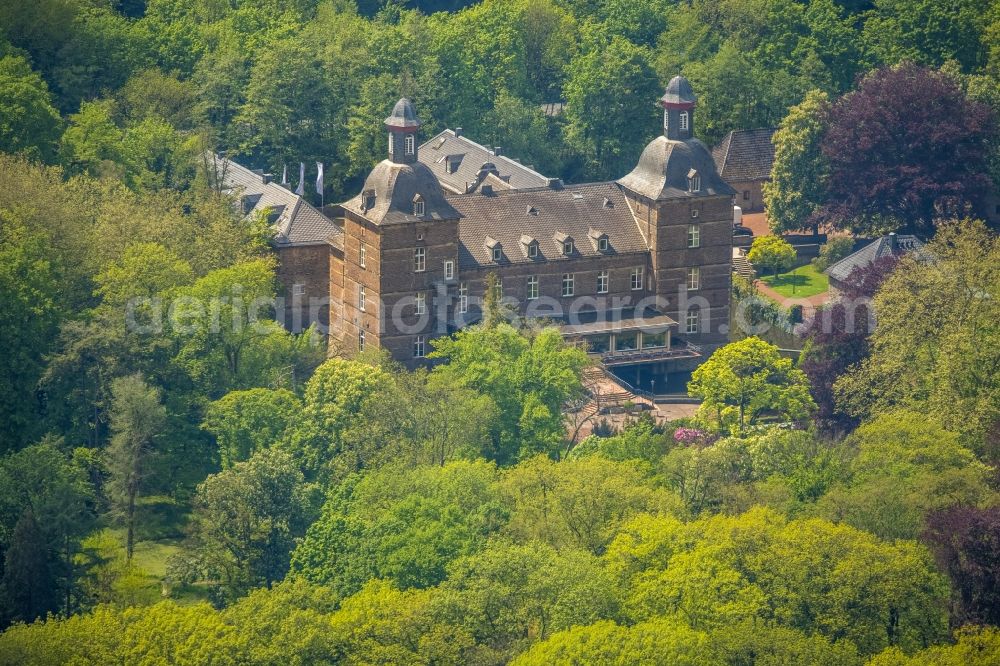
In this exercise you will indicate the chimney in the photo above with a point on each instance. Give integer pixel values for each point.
(266, 178)
(458, 131)
(496, 150)
(892, 242)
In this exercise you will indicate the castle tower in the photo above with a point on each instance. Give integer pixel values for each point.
(685, 212)
(400, 251)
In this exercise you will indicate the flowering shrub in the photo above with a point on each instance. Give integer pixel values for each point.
(694, 436)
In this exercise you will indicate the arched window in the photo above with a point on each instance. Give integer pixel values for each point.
(418, 206)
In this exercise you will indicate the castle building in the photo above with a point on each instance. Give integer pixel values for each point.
(638, 270)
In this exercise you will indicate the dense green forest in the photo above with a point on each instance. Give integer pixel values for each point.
(186, 493)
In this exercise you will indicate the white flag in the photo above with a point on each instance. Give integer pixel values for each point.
(284, 174)
(301, 189)
(319, 178)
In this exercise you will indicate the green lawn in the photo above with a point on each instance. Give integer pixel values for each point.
(802, 282)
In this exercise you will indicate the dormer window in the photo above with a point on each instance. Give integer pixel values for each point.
(410, 144)
(565, 242)
(418, 206)
(694, 181)
(600, 240)
(368, 200)
(452, 162)
(682, 122)
(530, 246)
(495, 249)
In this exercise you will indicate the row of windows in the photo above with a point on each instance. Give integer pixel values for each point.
(420, 341)
(691, 322)
(409, 144)
(568, 288)
(420, 254)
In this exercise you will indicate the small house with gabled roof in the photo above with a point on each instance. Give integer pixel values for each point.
(744, 160)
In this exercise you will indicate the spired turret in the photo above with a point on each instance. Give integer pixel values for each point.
(403, 125)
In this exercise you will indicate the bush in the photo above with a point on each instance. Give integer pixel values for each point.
(835, 249)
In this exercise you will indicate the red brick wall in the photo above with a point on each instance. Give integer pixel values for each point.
(307, 266)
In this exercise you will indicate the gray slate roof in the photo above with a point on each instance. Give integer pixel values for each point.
(295, 221)
(679, 91)
(663, 168)
(403, 115)
(576, 211)
(745, 155)
(396, 186)
(880, 247)
(469, 158)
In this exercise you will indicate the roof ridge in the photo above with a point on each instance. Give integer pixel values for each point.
(487, 149)
(530, 190)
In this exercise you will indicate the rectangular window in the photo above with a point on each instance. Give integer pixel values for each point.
(568, 247)
(627, 341)
(362, 256)
(532, 250)
(361, 297)
(693, 278)
(636, 279)
(532, 287)
(691, 322)
(449, 270)
(361, 340)
(419, 259)
(421, 303)
(418, 208)
(567, 284)
(463, 297)
(599, 344)
(683, 121)
(418, 347)
(298, 289)
(497, 254)
(652, 340)
(746, 195)
(694, 235)
(602, 282)
(410, 144)
(602, 244)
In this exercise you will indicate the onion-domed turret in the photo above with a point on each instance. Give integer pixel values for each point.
(678, 104)
(403, 124)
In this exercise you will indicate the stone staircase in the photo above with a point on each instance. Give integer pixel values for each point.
(742, 267)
